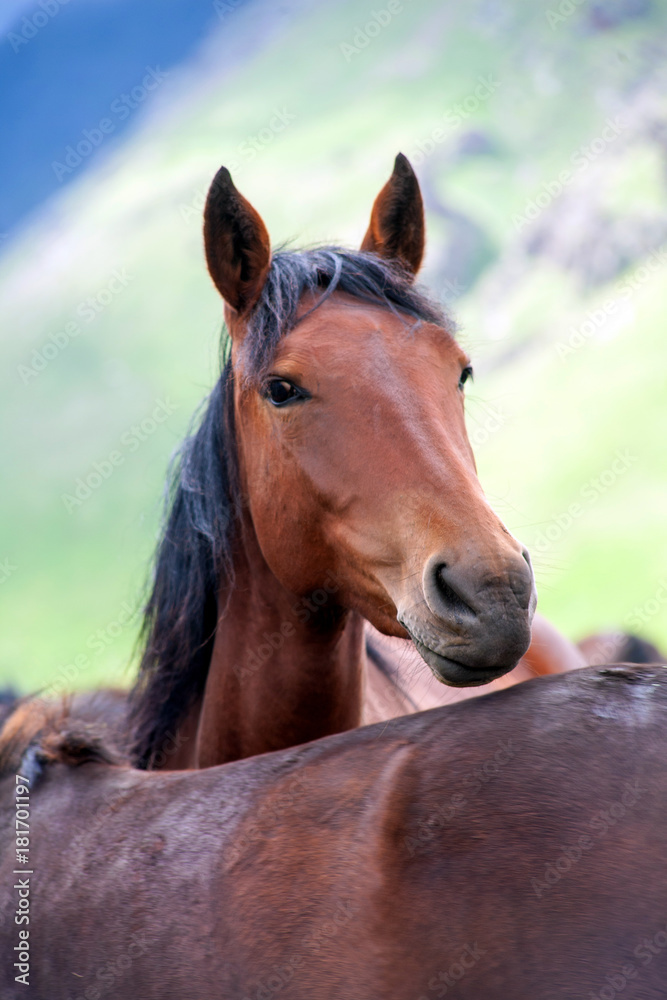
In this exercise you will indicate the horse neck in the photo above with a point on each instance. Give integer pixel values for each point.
(283, 670)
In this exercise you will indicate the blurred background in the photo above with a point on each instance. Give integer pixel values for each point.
(539, 134)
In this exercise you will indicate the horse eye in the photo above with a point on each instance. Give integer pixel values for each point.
(279, 392)
(465, 375)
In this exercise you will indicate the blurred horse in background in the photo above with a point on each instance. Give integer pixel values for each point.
(618, 647)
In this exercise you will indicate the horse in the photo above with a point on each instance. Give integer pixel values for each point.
(396, 685)
(330, 481)
(607, 647)
(513, 845)
(549, 653)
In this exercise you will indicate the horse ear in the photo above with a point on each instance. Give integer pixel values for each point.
(396, 230)
(238, 249)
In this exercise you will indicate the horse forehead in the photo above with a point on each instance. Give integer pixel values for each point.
(345, 331)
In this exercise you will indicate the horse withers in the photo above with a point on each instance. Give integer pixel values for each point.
(514, 846)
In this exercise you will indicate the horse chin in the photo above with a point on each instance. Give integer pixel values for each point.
(456, 674)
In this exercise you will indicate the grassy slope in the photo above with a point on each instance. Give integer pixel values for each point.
(562, 420)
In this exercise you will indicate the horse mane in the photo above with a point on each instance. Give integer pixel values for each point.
(38, 733)
(194, 556)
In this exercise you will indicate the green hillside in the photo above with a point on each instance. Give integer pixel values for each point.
(541, 142)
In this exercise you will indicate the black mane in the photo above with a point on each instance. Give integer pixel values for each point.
(194, 555)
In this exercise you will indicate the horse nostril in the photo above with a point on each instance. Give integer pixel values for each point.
(524, 585)
(452, 599)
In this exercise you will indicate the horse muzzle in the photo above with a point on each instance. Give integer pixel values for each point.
(471, 628)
